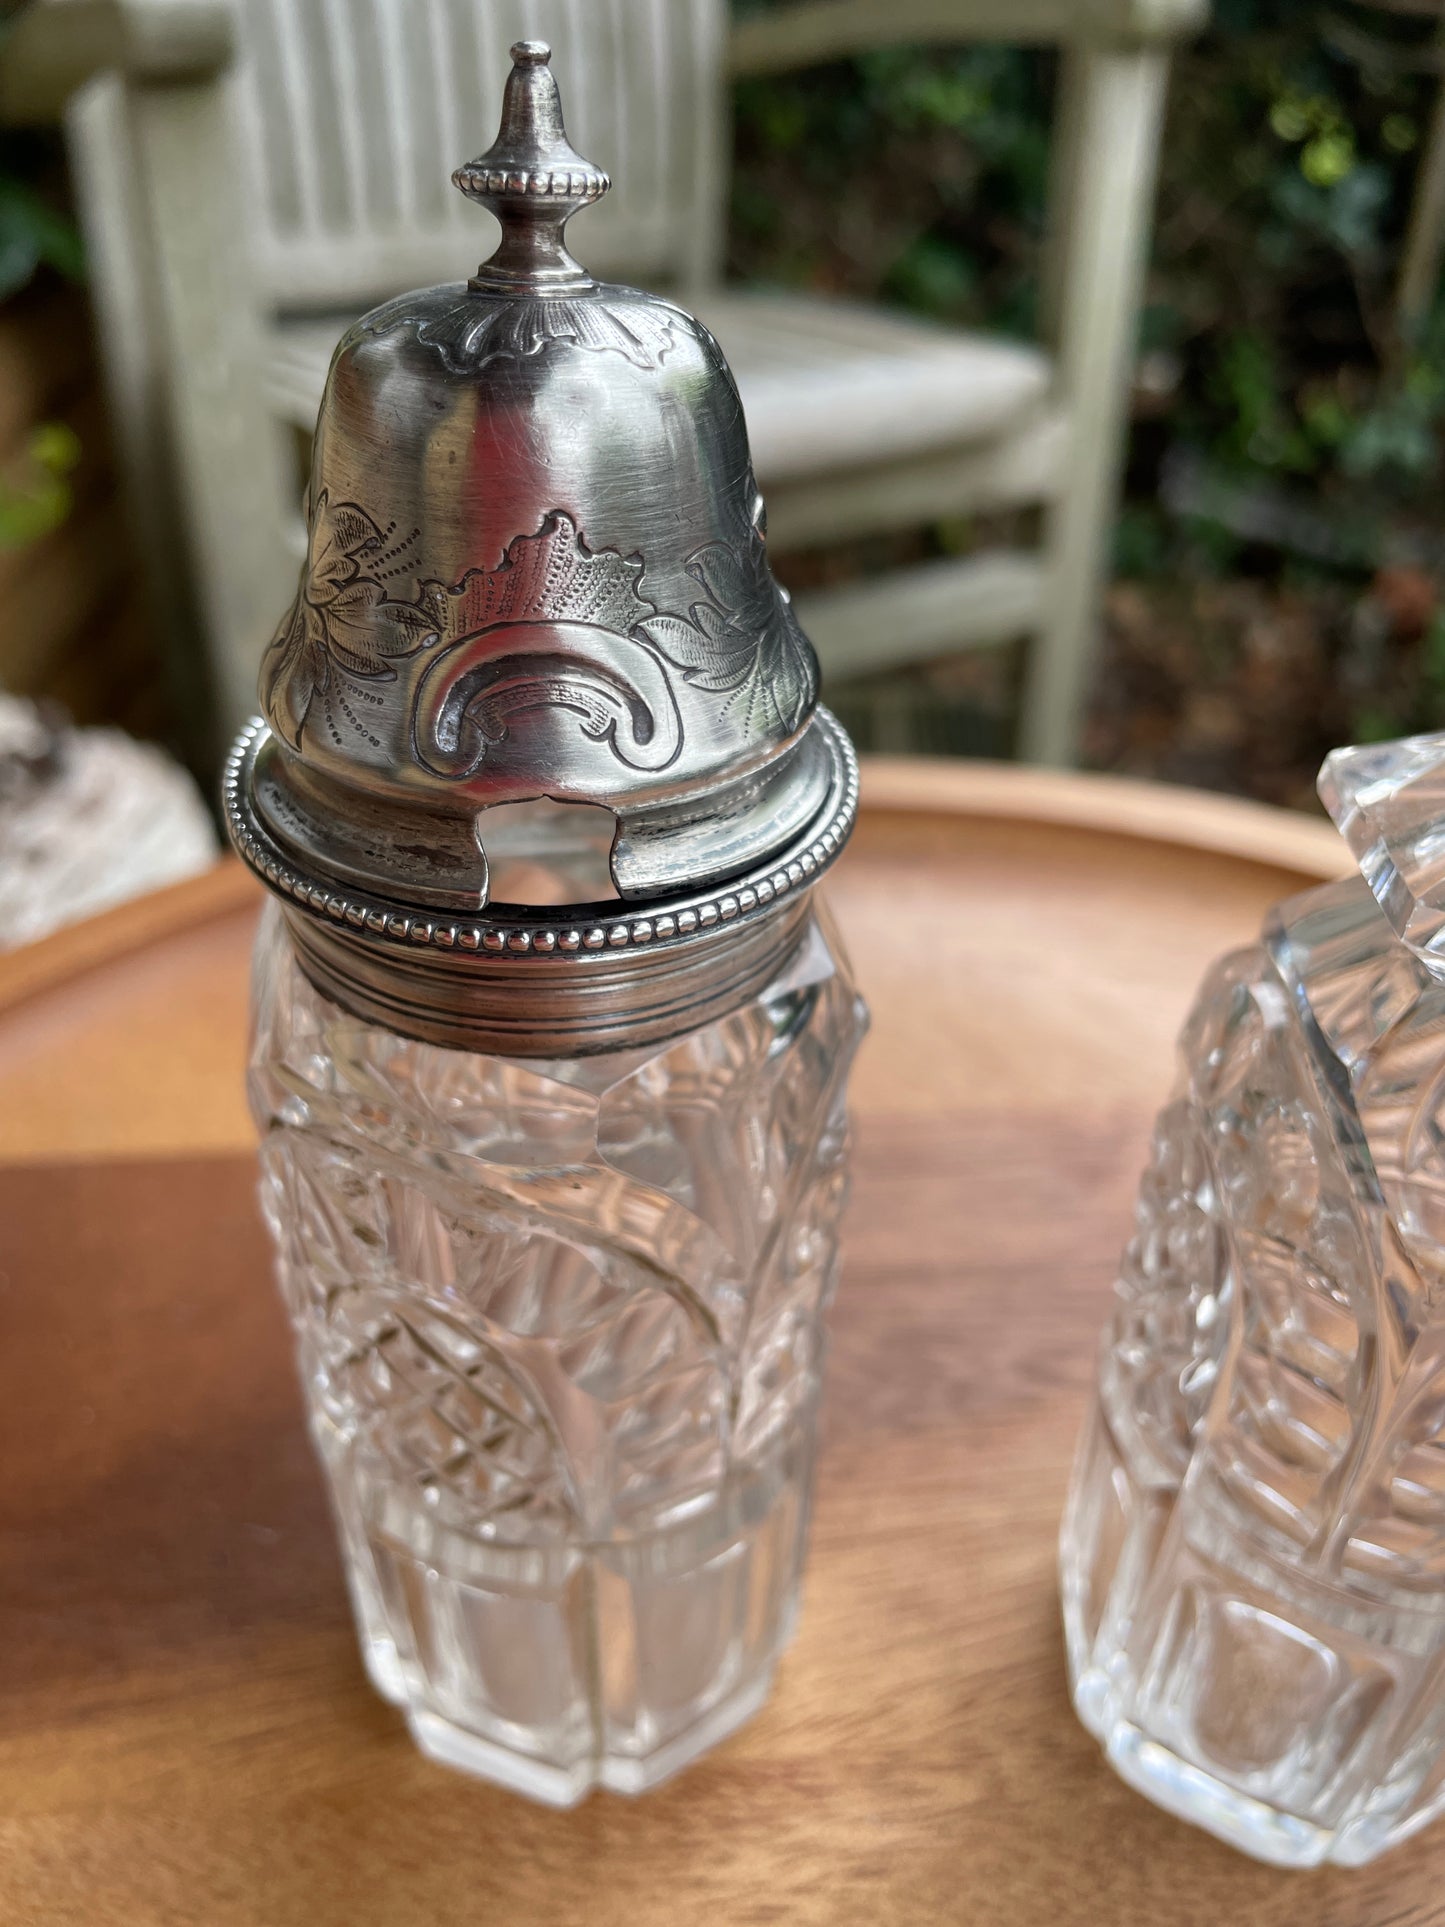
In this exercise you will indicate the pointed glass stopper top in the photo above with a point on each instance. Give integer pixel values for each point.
(1388, 803)
(534, 181)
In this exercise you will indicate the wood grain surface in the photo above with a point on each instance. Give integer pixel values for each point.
(185, 1732)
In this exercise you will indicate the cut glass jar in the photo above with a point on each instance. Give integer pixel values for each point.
(553, 1131)
(1253, 1555)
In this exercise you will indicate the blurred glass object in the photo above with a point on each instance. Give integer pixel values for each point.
(1253, 1555)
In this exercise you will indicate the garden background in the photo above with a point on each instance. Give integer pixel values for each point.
(1280, 554)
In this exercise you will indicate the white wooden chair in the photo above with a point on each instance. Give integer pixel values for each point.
(251, 179)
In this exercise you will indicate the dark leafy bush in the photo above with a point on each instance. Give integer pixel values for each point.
(1289, 431)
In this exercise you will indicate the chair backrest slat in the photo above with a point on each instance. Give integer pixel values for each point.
(356, 111)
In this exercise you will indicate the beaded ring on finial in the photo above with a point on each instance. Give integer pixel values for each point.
(533, 180)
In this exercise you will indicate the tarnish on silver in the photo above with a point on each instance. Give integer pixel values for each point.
(629, 979)
(536, 567)
(533, 180)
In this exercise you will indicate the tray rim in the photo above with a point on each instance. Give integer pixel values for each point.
(1069, 800)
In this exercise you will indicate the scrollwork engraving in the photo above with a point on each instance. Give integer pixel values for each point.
(742, 639)
(342, 632)
(477, 329)
(555, 625)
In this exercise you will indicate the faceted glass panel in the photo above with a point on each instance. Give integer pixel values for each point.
(1388, 800)
(560, 1328)
(1253, 1554)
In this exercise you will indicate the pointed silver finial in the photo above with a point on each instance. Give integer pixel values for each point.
(533, 180)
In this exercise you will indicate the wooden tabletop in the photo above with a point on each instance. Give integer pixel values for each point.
(185, 1732)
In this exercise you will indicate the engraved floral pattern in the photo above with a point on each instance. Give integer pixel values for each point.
(551, 576)
(742, 640)
(345, 631)
(342, 630)
(477, 330)
(502, 654)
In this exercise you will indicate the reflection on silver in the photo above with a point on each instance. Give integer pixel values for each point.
(536, 568)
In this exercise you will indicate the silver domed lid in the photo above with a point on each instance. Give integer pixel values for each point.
(536, 568)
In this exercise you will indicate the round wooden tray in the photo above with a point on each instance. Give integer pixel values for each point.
(185, 1732)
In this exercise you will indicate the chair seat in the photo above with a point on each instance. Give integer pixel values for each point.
(835, 385)
(827, 385)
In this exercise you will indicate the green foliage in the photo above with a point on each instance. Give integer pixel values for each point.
(37, 498)
(1432, 664)
(1287, 175)
(35, 495)
(933, 277)
(35, 232)
(1293, 135)
(916, 175)
(1294, 132)
(33, 235)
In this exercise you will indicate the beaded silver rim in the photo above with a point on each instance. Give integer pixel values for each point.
(669, 921)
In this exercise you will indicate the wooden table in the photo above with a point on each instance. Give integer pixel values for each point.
(185, 1733)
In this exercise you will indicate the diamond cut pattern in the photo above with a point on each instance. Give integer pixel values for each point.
(1261, 1495)
(541, 1298)
(560, 1332)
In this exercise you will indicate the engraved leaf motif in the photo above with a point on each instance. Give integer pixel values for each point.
(292, 670)
(544, 582)
(475, 332)
(341, 618)
(551, 576)
(364, 629)
(339, 536)
(742, 640)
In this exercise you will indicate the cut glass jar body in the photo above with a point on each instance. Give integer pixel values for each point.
(1253, 1555)
(560, 1328)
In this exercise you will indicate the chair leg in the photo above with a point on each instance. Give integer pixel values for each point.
(119, 264)
(1110, 122)
(228, 450)
(1424, 238)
